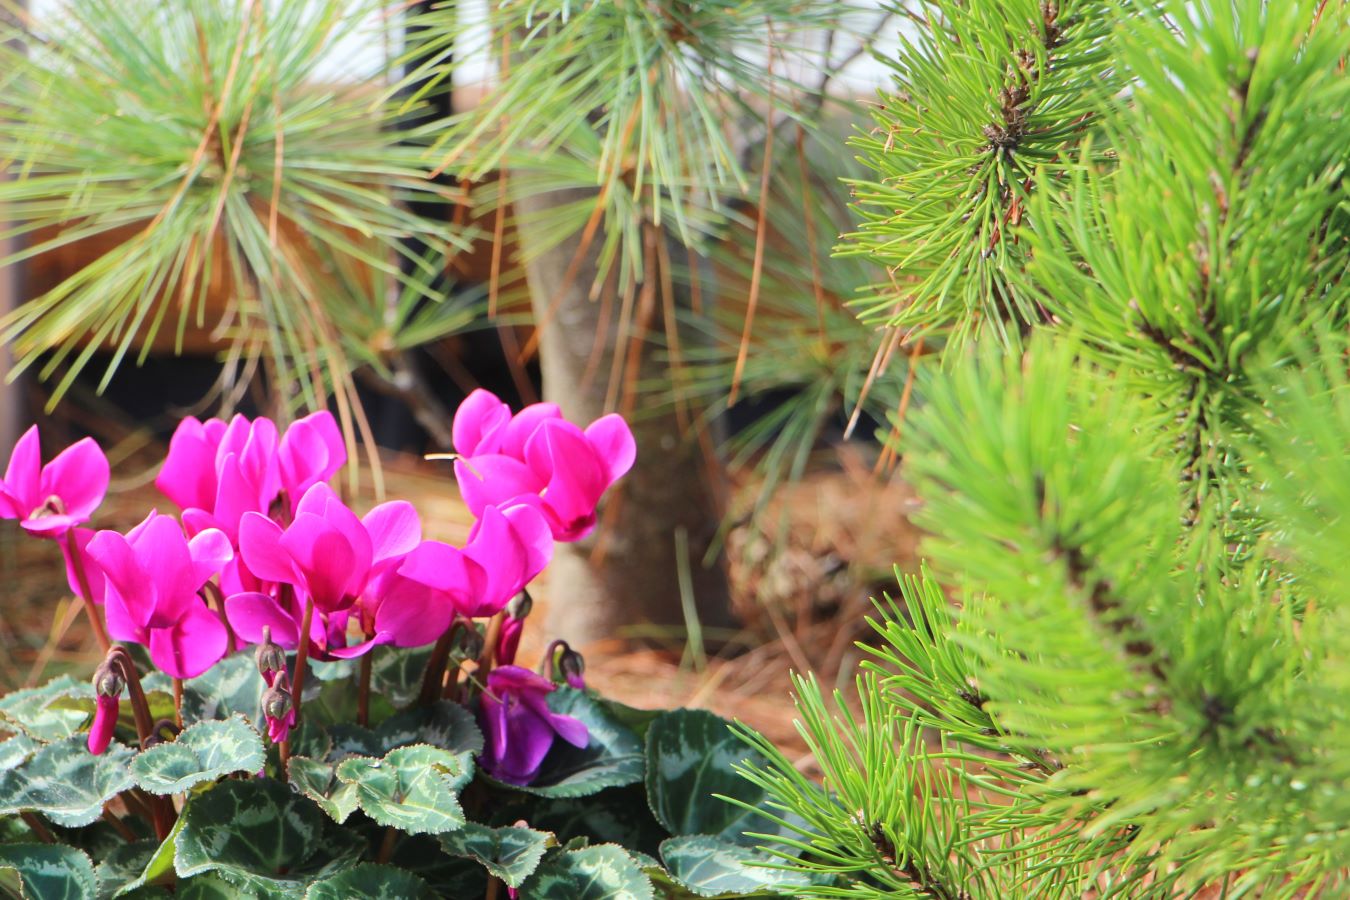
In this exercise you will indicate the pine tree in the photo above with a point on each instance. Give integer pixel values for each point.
(1125, 223)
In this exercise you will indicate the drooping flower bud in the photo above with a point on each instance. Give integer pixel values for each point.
(271, 659)
(572, 665)
(279, 712)
(466, 642)
(520, 606)
(108, 685)
(562, 660)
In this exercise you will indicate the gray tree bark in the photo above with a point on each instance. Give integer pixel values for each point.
(667, 500)
(11, 396)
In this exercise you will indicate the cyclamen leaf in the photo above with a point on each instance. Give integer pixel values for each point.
(396, 673)
(50, 871)
(203, 752)
(613, 757)
(207, 887)
(257, 833)
(691, 757)
(157, 865)
(446, 725)
(415, 789)
(15, 750)
(510, 853)
(122, 866)
(231, 686)
(65, 782)
(371, 881)
(711, 866)
(31, 712)
(319, 782)
(604, 872)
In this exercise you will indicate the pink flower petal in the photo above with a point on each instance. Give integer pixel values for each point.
(79, 476)
(126, 597)
(477, 423)
(193, 644)
(394, 529)
(188, 477)
(92, 572)
(412, 614)
(210, 552)
(576, 478)
(489, 480)
(613, 443)
(23, 476)
(526, 422)
(261, 550)
(326, 560)
(249, 613)
(312, 451)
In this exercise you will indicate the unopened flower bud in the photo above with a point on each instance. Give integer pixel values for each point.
(279, 712)
(271, 659)
(108, 685)
(520, 606)
(573, 667)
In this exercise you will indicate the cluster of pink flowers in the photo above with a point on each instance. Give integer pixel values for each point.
(263, 533)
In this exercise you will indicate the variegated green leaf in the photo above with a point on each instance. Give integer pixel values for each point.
(231, 686)
(319, 782)
(65, 782)
(30, 710)
(510, 853)
(15, 750)
(446, 725)
(415, 789)
(712, 866)
(371, 881)
(157, 865)
(612, 758)
(203, 752)
(603, 872)
(255, 833)
(122, 866)
(691, 759)
(396, 673)
(50, 871)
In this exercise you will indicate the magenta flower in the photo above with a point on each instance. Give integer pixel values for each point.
(80, 558)
(216, 472)
(506, 549)
(153, 576)
(539, 457)
(348, 566)
(518, 726)
(105, 720)
(50, 500)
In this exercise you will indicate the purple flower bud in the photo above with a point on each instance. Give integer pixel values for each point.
(573, 667)
(105, 719)
(279, 712)
(271, 659)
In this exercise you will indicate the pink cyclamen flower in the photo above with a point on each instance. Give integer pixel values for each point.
(217, 472)
(153, 576)
(105, 720)
(540, 457)
(348, 566)
(518, 726)
(50, 500)
(506, 549)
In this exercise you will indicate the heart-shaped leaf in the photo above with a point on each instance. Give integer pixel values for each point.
(50, 871)
(618, 815)
(712, 866)
(415, 789)
(203, 752)
(123, 865)
(691, 757)
(15, 750)
(446, 725)
(232, 686)
(319, 782)
(510, 853)
(604, 872)
(612, 758)
(396, 673)
(31, 712)
(255, 833)
(158, 864)
(371, 881)
(65, 782)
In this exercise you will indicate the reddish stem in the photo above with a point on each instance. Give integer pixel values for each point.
(86, 594)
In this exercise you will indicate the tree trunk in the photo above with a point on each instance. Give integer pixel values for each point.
(668, 501)
(11, 395)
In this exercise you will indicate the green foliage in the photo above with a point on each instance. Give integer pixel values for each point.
(49, 872)
(65, 783)
(414, 789)
(603, 872)
(510, 853)
(1134, 484)
(202, 752)
(201, 138)
(370, 880)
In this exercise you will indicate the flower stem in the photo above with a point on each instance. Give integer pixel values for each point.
(119, 826)
(145, 726)
(86, 594)
(216, 598)
(363, 691)
(301, 658)
(35, 823)
(178, 703)
(494, 633)
(435, 671)
(388, 845)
